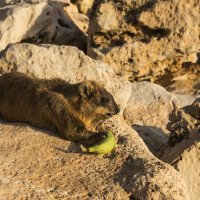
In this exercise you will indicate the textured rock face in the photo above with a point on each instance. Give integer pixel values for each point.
(56, 169)
(143, 39)
(41, 22)
(184, 157)
(184, 121)
(183, 146)
(84, 5)
(147, 97)
(188, 165)
(80, 20)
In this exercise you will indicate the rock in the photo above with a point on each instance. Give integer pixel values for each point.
(49, 169)
(185, 80)
(42, 22)
(80, 20)
(150, 105)
(183, 148)
(154, 137)
(190, 159)
(144, 39)
(84, 5)
(40, 160)
(12, 2)
(8, 2)
(184, 121)
(184, 157)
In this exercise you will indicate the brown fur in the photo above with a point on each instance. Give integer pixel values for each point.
(55, 104)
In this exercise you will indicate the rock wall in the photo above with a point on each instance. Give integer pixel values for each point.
(40, 22)
(143, 40)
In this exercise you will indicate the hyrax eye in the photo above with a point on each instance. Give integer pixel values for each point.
(103, 101)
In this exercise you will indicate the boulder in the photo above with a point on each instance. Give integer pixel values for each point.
(39, 22)
(36, 164)
(183, 148)
(184, 157)
(150, 104)
(184, 121)
(148, 110)
(143, 40)
(79, 19)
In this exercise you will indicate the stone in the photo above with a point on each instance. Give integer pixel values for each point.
(84, 6)
(79, 19)
(41, 22)
(144, 40)
(184, 121)
(130, 172)
(184, 157)
(150, 105)
(183, 148)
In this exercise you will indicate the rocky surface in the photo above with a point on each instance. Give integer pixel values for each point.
(84, 6)
(183, 148)
(40, 22)
(38, 165)
(184, 157)
(144, 40)
(188, 165)
(184, 121)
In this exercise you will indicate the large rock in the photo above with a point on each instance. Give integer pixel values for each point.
(39, 22)
(184, 157)
(183, 146)
(184, 121)
(132, 172)
(188, 165)
(84, 6)
(144, 39)
(148, 110)
(150, 104)
(39, 165)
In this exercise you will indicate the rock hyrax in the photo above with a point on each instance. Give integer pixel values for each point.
(56, 104)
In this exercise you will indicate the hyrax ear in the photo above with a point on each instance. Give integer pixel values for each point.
(86, 90)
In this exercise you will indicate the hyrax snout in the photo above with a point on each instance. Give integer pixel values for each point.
(70, 109)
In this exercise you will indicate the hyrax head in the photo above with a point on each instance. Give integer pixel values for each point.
(96, 102)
